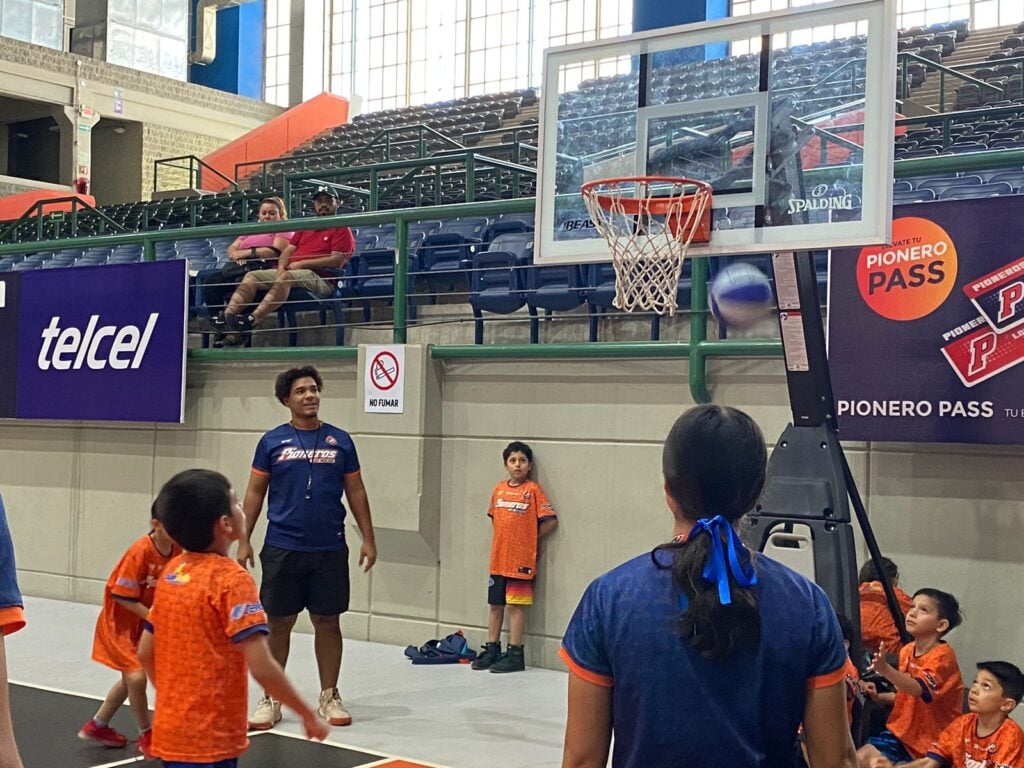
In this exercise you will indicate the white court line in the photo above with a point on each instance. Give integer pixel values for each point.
(132, 761)
(385, 757)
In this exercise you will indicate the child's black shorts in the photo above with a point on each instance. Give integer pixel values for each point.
(502, 590)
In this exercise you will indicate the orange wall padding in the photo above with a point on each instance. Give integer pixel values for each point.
(14, 206)
(278, 137)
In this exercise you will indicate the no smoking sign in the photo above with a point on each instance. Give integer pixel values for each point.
(384, 379)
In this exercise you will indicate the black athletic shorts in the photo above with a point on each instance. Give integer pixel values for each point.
(296, 581)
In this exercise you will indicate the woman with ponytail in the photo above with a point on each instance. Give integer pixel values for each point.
(702, 654)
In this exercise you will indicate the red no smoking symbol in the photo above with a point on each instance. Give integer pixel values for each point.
(384, 371)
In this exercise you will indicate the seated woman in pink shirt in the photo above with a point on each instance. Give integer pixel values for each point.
(247, 252)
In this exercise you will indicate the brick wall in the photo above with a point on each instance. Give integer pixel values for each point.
(159, 142)
(97, 71)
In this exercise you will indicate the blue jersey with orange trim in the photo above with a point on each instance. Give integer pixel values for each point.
(671, 706)
(307, 471)
(12, 617)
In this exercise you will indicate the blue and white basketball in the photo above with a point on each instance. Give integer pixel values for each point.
(741, 295)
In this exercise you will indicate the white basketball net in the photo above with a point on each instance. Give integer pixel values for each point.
(647, 248)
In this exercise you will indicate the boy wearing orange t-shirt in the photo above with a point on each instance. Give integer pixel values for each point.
(521, 515)
(205, 629)
(928, 685)
(987, 737)
(877, 630)
(126, 602)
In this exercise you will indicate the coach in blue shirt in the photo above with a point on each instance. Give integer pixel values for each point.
(307, 466)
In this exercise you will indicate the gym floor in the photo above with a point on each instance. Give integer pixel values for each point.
(404, 716)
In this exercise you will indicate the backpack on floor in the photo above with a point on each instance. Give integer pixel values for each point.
(452, 649)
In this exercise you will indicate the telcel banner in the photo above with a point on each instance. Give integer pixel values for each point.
(94, 343)
(926, 333)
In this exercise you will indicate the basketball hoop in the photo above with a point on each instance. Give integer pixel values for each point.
(649, 223)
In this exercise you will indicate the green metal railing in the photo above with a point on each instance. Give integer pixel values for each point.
(56, 220)
(385, 140)
(697, 349)
(195, 167)
(383, 177)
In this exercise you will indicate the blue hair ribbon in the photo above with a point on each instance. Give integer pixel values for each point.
(724, 558)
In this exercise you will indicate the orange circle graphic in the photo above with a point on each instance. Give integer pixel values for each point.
(913, 275)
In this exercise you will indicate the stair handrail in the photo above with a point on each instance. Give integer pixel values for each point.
(196, 166)
(36, 211)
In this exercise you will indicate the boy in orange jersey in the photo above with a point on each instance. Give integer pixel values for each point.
(126, 601)
(877, 630)
(987, 737)
(205, 629)
(928, 685)
(521, 515)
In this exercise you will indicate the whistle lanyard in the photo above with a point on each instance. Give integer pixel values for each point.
(309, 456)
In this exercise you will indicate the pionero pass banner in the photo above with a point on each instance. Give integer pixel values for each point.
(926, 333)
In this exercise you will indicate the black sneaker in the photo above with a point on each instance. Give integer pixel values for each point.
(218, 326)
(490, 654)
(238, 329)
(511, 661)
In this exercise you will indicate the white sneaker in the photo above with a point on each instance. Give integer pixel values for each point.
(267, 714)
(331, 709)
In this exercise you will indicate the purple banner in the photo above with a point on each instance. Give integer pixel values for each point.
(925, 334)
(96, 343)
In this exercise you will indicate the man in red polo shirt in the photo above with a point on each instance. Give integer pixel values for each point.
(303, 264)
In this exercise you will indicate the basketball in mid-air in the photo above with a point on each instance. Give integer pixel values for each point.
(741, 295)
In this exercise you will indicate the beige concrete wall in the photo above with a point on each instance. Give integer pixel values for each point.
(952, 517)
(178, 118)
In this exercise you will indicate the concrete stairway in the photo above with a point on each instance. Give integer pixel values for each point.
(975, 48)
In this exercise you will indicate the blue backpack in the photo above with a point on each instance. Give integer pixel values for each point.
(452, 649)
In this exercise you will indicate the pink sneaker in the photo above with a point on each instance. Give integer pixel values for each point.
(103, 734)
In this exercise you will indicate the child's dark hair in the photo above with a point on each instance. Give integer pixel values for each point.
(846, 626)
(190, 503)
(1009, 676)
(283, 385)
(949, 606)
(154, 511)
(868, 571)
(714, 463)
(517, 446)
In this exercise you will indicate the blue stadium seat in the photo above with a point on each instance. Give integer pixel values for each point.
(553, 289)
(496, 285)
(600, 293)
(301, 300)
(976, 191)
(520, 244)
(912, 196)
(941, 184)
(470, 227)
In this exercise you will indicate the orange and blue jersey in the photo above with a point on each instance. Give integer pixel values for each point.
(205, 604)
(307, 470)
(960, 746)
(672, 706)
(877, 630)
(917, 721)
(516, 513)
(134, 578)
(12, 615)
